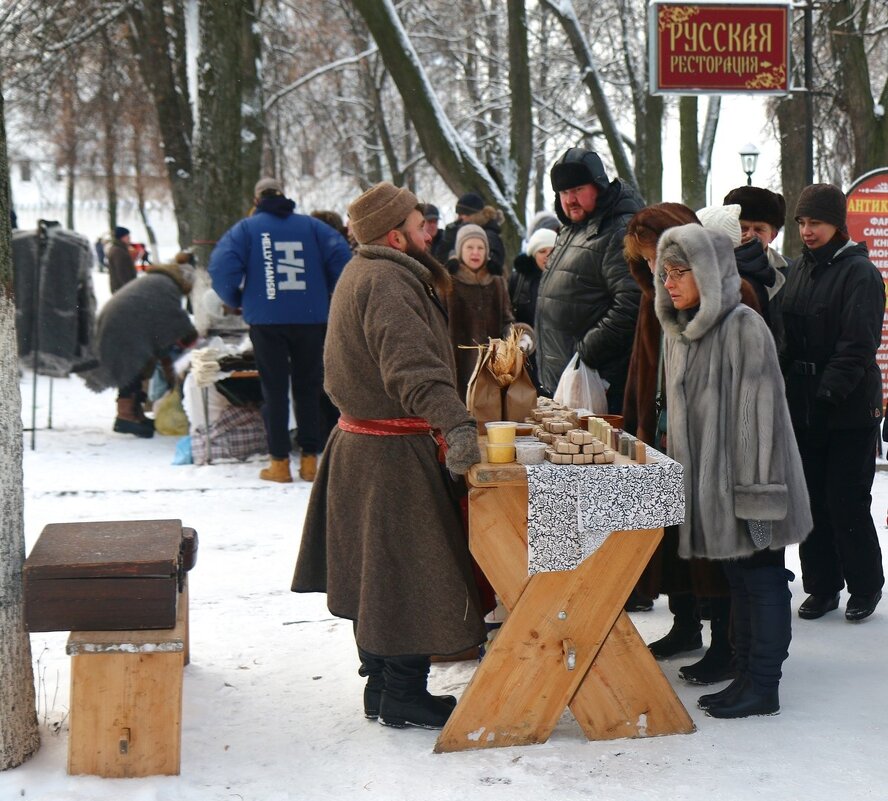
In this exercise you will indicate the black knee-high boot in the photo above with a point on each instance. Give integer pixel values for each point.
(685, 632)
(717, 663)
(372, 668)
(406, 701)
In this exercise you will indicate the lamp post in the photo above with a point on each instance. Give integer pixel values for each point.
(749, 154)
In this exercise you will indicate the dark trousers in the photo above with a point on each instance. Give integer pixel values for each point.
(843, 546)
(762, 619)
(291, 356)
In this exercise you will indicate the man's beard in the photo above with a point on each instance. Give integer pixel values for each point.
(440, 277)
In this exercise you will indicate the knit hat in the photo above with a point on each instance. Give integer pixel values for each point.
(823, 202)
(431, 212)
(723, 218)
(469, 203)
(272, 185)
(120, 232)
(576, 167)
(759, 204)
(542, 238)
(380, 209)
(467, 232)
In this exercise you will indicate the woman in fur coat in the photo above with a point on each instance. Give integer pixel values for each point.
(730, 430)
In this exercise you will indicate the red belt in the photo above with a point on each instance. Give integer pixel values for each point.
(394, 427)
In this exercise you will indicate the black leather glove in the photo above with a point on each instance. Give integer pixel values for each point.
(462, 448)
(760, 532)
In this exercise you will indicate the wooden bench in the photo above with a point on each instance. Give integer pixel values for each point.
(126, 700)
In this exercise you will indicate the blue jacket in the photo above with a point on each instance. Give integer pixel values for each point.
(279, 270)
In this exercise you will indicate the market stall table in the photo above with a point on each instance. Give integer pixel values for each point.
(564, 568)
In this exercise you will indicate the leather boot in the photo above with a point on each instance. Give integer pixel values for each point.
(726, 695)
(716, 664)
(278, 470)
(405, 701)
(308, 466)
(373, 667)
(685, 632)
(747, 702)
(128, 422)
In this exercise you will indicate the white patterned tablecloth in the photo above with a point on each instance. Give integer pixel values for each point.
(573, 508)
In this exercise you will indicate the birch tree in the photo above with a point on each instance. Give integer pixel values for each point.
(19, 737)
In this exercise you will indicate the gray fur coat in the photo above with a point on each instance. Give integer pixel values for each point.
(729, 423)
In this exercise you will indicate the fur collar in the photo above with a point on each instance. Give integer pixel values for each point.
(710, 255)
(466, 276)
(438, 279)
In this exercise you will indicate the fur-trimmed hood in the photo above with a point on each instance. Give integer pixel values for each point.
(710, 255)
(489, 217)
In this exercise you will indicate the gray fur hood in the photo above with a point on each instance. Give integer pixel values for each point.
(711, 256)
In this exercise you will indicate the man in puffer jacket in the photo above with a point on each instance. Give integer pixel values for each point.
(588, 301)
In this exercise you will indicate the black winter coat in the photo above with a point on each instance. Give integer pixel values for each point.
(588, 301)
(753, 265)
(833, 304)
(489, 219)
(524, 284)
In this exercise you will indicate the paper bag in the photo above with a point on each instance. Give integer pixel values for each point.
(489, 399)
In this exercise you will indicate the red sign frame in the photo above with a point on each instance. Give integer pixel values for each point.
(868, 222)
(720, 48)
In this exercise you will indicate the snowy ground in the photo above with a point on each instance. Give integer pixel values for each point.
(272, 699)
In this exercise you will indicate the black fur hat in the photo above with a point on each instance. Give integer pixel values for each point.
(758, 204)
(576, 167)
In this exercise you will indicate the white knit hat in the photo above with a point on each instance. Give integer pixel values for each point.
(542, 238)
(725, 219)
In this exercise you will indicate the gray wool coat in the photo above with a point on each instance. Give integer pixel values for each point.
(383, 535)
(139, 323)
(729, 424)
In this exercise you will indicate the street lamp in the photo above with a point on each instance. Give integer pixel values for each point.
(749, 154)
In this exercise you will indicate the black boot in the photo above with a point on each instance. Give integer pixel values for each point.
(405, 701)
(372, 668)
(726, 695)
(716, 664)
(748, 701)
(685, 632)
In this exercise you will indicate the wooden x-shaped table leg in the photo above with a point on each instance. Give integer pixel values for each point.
(567, 641)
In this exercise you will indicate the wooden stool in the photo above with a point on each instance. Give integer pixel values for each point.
(126, 700)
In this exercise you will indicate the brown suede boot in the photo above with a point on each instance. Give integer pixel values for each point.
(278, 470)
(308, 466)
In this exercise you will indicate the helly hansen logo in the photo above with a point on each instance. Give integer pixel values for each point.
(290, 267)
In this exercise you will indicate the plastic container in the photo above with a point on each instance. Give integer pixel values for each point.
(500, 454)
(524, 429)
(530, 452)
(501, 433)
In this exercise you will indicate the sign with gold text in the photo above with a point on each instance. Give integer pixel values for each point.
(719, 48)
(868, 222)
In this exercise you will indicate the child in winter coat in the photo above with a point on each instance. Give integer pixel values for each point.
(478, 305)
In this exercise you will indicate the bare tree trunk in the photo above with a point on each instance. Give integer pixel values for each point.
(521, 136)
(251, 105)
(109, 128)
(154, 37)
(869, 124)
(791, 122)
(693, 184)
(442, 145)
(140, 188)
(19, 735)
(588, 69)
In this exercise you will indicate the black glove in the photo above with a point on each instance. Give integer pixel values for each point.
(462, 448)
(760, 532)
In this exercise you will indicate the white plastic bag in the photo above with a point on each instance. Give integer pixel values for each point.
(580, 387)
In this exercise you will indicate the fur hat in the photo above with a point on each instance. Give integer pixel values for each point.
(467, 232)
(723, 218)
(823, 202)
(759, 204)
(576, 167)
(542, 238)
(469, 203)
(270, 185)
(380, 209)
(120, 232)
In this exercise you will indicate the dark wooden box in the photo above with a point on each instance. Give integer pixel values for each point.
(108, 575)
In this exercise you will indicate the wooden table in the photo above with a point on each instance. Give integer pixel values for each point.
(567, 640)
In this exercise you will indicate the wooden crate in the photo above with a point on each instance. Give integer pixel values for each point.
(126, 700)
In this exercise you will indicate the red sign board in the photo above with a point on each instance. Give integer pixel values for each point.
(868, 222)
(699, 48)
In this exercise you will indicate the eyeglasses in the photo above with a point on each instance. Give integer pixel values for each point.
(676, 274)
